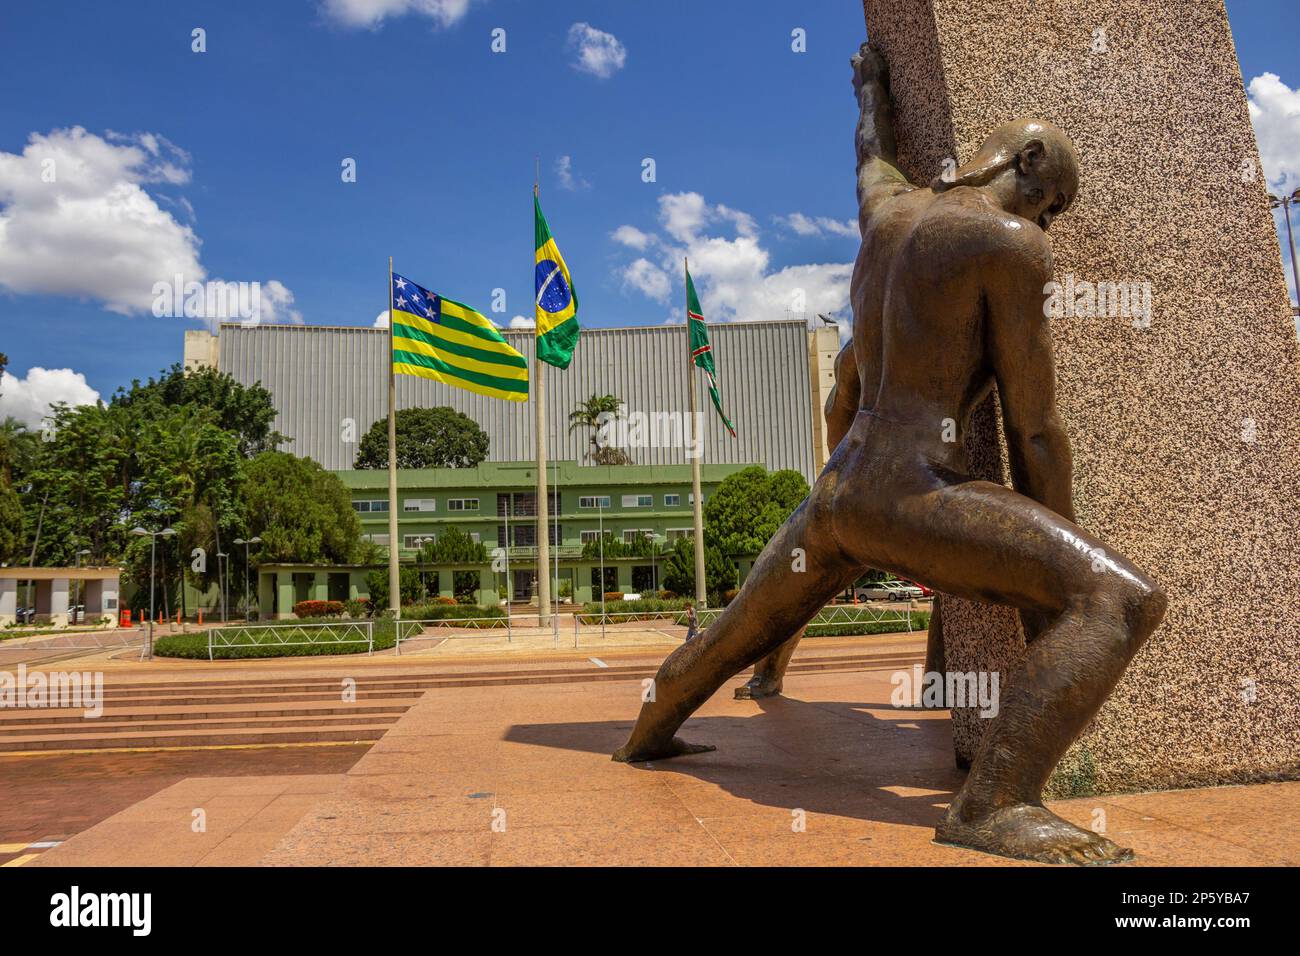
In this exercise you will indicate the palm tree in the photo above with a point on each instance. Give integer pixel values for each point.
(589, 415)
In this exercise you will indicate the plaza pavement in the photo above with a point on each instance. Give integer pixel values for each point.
(496, 768)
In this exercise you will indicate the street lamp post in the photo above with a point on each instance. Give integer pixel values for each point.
(153, 537)
(223, 572)
(1286, 202)
(600, 517)
(248, 604)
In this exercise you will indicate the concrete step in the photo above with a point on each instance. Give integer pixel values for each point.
(353, 733)
(73, 715)
(106, 726)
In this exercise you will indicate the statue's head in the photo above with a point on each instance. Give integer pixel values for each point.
(1029, 165)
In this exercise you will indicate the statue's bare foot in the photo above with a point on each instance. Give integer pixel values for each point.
(636, 753)
(758, 687)
(1030, 832)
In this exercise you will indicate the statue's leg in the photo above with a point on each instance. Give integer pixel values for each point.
(769, 673)
(934, 652)
(985, 542)
(776, 602)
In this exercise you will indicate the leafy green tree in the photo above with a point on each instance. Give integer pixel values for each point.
(679, 570)
(641, 546)
(17, 452)
(408, 583)
(748, 507)
(11, 523)
(589, 414)
(426, 438)
(454, 546)
(247, 411)
(302, 512)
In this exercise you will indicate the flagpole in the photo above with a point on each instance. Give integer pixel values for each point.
(394, 577)
(543, 506)
(701, 598)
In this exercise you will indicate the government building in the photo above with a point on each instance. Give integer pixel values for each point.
(329, 385)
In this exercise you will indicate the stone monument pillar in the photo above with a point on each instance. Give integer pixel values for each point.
(1185, 419)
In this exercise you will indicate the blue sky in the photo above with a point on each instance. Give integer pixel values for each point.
(228, 162)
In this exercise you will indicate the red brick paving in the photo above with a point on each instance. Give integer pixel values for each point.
(48, 798)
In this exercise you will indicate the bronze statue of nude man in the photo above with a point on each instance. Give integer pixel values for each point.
(948, 296)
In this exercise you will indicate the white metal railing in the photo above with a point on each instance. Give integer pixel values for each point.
(292, 635)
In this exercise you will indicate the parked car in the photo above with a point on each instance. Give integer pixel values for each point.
(872, 592)
(889, 591)
(904, 590)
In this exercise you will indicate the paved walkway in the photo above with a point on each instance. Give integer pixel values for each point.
(515, 774)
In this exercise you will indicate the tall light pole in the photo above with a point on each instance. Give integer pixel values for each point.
(248, 604)
(223, 572)
(600, 517)
(153, 537)
(80, 587)
(1286, 202)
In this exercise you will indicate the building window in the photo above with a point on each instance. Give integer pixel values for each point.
(523, 504)
(521, 536)
(379, 539)
(590, 536)
(413, 542)
(593, 501)
(462, 504)
(679, 534)
(672, 501)
(631, 534)
(420, 504)
(691, 498)
(366, 507)
(638, 501)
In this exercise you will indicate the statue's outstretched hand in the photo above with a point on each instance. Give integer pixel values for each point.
(868, 67)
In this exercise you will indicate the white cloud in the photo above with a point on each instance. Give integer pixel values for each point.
(598, 53)
(647, 278)
(565, 174)
(684, 215)
(523, 322)
(76, 220)
(381, 320)
(732, 270)
(1275, 114)
(29, 399)
(631, 236)
(370, 14)
(94, 232)
(803, 225)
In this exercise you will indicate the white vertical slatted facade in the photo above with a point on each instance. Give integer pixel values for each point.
(321, 376)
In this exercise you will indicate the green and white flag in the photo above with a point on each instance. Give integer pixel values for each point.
(702, 351)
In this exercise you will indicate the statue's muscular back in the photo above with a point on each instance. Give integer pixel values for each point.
(937, 255)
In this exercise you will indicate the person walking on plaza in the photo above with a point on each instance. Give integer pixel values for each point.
(692, 623)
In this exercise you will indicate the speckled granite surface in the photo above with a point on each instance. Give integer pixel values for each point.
(1186, 434)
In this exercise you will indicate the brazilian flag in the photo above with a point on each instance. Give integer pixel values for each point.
(557, 302)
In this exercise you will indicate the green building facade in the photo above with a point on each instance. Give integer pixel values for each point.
(496, 504)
